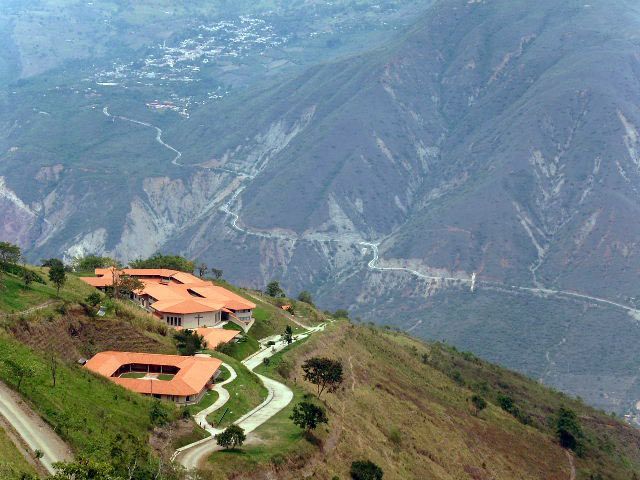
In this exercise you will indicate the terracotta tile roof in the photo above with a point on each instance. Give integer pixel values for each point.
(193, 375)
(186, 306)
(175, 296)
(231, 300)
(215, 336)
(98, 281)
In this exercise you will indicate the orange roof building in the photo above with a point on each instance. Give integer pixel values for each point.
(180, 379)
(215, 336)
(181, 299)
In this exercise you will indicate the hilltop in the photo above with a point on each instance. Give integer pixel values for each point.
(404, 404)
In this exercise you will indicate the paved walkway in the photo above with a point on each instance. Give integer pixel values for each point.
(278, 397)
(223, 397)
(32, 429)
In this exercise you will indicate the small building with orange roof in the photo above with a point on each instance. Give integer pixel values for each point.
(181, 299)
(215, 336)
(183, 380)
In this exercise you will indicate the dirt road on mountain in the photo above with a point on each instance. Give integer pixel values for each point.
(35, 433)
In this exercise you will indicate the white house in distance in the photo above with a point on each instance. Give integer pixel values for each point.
(181, 299)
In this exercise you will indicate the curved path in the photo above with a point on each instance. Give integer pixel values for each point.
(278, 397)
(158, 130)
(32, 429)
(373, 265)
(223, 397)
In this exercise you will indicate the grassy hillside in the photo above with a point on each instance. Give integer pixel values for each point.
(86, 410)
(12, 462)
(406, 406)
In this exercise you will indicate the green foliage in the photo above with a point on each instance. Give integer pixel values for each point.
(188, 342)
(308, 416)
(325, 373)
(217, 273)
(365, 470)
(232, 437)
(28, 276)
(21, 272)
(94, 299)
(172, 262)
(287, 336)
(158, 414)
(478, 403)
(506, 403)
(274, 289)
(341, 313)
(240, 349)
(57, 274)
(89, 263)
(84, 469)
(9, 253)
(568, 429)
(305, 296)
(19, 369)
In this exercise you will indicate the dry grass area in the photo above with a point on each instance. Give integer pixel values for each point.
(73, 335)
(414, 422)
(402, 407)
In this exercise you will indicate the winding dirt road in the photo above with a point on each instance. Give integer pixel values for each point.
(373, 265)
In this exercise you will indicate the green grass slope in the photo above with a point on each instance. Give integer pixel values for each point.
(12, 462)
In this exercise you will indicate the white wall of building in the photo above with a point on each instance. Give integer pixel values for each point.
(192, 320)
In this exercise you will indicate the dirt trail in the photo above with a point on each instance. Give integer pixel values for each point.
(572, 474)
(36, 434)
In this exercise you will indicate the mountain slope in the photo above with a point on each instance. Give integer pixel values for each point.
(406, 406)
(493, 137)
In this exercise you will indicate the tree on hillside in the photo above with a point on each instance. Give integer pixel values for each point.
(123, 284)
(9, 255)
(57, 274)
(232, 437)
(19, 370)
(89, 263)
(202, 269)
(217, 273)
(305, 296)
(478, 403)
(274, 289)
(341, 313)
(158, 415)
(325, 373)
(28, 276)
(568, 429)
(94, 299)
(287, 336)
(84, 469)
(365, 470)
(308, 416)
(188, 342)
(172, 262)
